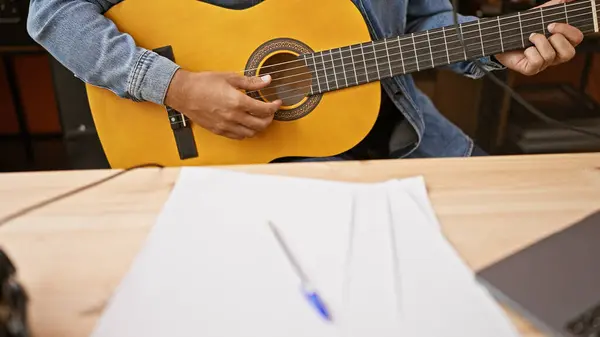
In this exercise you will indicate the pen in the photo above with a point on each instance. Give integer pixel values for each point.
(308, 290)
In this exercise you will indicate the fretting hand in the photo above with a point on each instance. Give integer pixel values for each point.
(558, 48)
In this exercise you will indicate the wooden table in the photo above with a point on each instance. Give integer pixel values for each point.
(72, 254)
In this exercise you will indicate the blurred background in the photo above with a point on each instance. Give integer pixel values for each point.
(45, 122)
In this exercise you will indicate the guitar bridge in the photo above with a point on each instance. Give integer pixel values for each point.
(180, 124)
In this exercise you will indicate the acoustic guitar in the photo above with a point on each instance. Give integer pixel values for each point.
(324, 65)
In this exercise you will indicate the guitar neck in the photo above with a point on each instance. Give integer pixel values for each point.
(375, 60)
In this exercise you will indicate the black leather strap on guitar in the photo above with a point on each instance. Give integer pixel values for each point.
(13, 301)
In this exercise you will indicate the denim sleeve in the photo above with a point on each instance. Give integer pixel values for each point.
(428, 14)
(79, 36)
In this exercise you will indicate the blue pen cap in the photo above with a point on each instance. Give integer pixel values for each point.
(315, 300)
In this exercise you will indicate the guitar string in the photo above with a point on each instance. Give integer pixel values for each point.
(589, 26)
(398, 40)
(504, 41)
(327, 77)
(509, 40)
(435, 46)
(277, 96)
(523, 18)
(444, 46)
(560, 8)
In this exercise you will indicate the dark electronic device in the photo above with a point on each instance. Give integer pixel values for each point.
(13, 301)
(554, 283)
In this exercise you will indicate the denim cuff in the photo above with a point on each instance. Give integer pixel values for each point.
(151, 77)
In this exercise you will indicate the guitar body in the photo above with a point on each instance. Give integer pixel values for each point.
(205, 37)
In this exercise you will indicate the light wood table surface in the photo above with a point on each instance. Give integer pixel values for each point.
(72, 254)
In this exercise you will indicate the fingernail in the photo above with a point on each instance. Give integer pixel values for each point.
(266, 78)
(532, 35)
(551, 27)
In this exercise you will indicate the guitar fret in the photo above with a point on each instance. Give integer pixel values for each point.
(531, 27)
(481, 37)
(425, 57)
(394, 56)
(453, 46)
(542, 18)
(383, 59)
(317, 72)
(473, 50)
(338, 68)
(372, 62)
(585, 24)
(401, 56)
(508, 38)
(446, 44)
(554, 15)
(465, 47)
(492, 38)
(439, 51)
(345, 55)
(353, 65)
(594, 15)
(364, 61)
(307, 66)
(415, 50)
(376, 61)
(430, 51)
(325, 71)
(343, 67)
(565, 9)
(500, 32)
(521, 28)
(333, 70)
(356, 58)
(387, 52)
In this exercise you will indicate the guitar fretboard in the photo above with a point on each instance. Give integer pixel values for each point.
(375, 60)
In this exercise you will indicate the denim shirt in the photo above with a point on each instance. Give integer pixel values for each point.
(77, 34)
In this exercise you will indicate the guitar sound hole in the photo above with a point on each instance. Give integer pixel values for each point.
(291, 79)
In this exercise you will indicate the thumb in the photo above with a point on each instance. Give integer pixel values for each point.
(251, 82)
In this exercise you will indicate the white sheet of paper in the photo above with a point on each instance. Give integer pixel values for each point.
(415, 188)
(370, 303)
(211, 267)
(440, 296)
